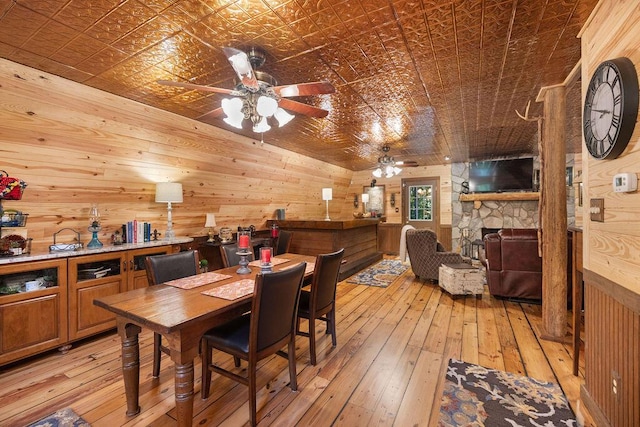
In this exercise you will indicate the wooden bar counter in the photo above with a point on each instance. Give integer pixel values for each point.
(358, 237)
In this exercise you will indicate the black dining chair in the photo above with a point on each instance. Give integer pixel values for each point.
(230, 257)
(320, 301)
(284, 242)
(163, 268)
(258, 334)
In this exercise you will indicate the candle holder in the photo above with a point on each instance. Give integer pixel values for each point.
(244, 261)
(266, 253)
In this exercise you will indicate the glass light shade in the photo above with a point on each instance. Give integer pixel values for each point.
(211, 220)
(232, 107)
(262, 126)
(365, 198)
(327, 194)
(397, 170)
(94, 214)
(388, 170)
(168, 192)
(283, 117)
(240, 63)
(266, 106)
(377, 173)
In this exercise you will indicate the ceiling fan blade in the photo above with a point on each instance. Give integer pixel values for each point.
(211, 114)
(304, 89)
(200, 87)
(241, 65)
(407, 163)
(299, 107)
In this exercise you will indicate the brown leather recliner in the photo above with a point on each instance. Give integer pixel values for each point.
(514, 269)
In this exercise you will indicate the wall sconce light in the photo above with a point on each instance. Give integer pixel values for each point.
(355, 200)
(393, 200)
(373, 183)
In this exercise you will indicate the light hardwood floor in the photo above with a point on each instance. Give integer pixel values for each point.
(388, 368)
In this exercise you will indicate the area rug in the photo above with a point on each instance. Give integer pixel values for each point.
(381, 274)
(478, 396)
(63, 418)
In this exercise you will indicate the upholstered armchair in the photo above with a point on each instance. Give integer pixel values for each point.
(426, 254)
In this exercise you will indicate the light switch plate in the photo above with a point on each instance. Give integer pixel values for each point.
(596, 209)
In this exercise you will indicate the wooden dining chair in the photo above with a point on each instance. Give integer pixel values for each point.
(320, 301)
(284, 242)
(264, 331)
(163, 268)
(229, 254)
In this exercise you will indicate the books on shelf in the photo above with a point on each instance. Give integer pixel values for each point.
(136, 232)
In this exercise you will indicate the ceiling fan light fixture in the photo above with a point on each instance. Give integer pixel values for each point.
(266, 106)
(240, 63)
(377, 173)
(283, 117)
(262, 126)
(397, 170)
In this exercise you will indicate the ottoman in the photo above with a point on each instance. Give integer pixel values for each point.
(461, 279)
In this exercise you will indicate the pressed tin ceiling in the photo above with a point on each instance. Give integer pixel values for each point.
(430, 78)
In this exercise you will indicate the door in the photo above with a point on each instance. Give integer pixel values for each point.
(421, 201)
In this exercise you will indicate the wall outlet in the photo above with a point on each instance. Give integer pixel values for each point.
(616, 385)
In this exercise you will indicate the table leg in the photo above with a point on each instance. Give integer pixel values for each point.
(131, 367)
(184, 393)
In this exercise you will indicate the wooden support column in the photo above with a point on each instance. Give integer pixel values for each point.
(553, 214)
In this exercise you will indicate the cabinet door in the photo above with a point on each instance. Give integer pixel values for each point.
(91, 277)
(136, 273)
(36, 320)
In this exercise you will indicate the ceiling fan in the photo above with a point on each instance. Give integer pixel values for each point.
(257, 96)
(387, 165)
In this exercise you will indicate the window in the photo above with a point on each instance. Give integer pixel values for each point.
(420, 203)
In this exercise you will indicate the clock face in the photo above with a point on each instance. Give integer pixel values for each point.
(610, 108)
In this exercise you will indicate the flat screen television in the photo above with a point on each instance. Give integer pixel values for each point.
(495, 176)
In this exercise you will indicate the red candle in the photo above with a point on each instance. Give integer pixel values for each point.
(243, 241)
(265, 255)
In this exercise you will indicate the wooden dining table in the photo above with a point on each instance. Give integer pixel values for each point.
(181, 314)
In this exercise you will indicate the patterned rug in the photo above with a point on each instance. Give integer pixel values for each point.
(63, 418)
(381, 274)
(478, 396)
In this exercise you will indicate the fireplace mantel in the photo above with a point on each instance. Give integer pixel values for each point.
(529, 195)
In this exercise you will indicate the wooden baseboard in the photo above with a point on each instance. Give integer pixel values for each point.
(598, 416)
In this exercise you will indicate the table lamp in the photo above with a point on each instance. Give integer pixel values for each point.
(365, 200)
(169, 192)
(210, 223)
(327, 194)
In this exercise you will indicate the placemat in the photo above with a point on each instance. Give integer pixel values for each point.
(274, 261)
(308, 269)
(233, 290)
(197, 280)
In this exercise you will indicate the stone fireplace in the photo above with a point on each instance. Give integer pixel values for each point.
(469, 219)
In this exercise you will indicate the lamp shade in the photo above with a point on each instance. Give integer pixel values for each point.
(327, 194)
(365, 198)
(211, 220)
(168, 192)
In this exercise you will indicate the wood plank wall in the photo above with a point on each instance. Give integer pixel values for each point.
(75, 145)
(612, 247)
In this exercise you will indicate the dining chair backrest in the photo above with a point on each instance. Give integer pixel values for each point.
(325, 279)
(163, 268)
(274, 306)
(284, 242)
(230, 255)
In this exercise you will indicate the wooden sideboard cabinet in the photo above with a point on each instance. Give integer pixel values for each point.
(123, 271)
(52, 317)
(33, 321)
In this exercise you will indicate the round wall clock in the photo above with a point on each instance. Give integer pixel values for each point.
(610, 108)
